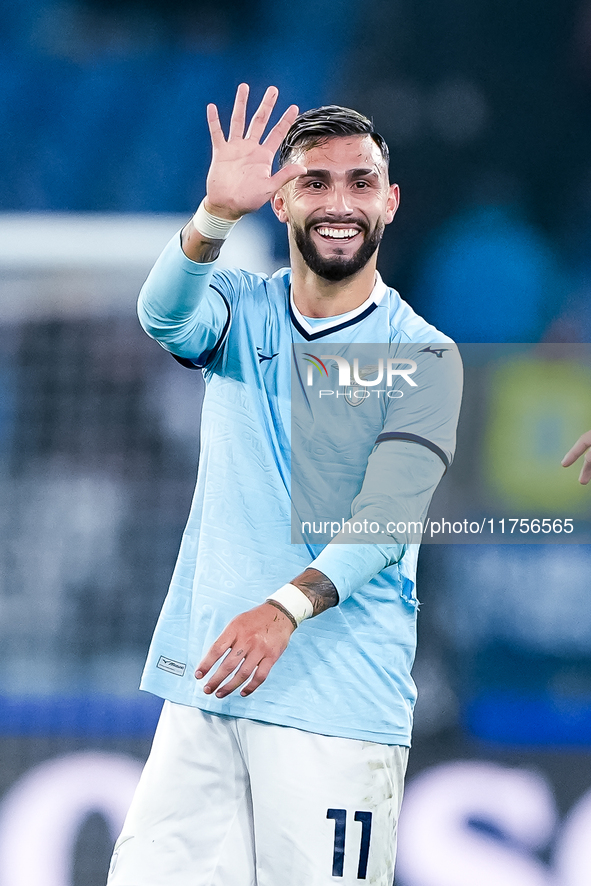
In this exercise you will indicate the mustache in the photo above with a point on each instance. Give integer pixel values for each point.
(336, 220)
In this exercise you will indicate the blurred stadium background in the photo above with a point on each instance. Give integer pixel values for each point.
(103, 153)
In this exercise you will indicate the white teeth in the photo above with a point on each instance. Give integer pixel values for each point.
(338, 233)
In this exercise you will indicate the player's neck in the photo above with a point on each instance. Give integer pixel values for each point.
(316, 297)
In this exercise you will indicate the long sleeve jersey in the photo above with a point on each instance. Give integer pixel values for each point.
(347, 671)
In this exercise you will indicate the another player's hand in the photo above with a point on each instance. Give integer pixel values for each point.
(254, 641)
(583, 445)
(240, 177)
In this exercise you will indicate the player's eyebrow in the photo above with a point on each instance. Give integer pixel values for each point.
(316, 173)
(358, 173)
(351, 173)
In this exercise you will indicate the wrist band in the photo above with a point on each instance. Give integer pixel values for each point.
(211, 226)
(294, 601)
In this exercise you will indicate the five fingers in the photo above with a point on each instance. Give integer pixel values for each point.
(258, 123)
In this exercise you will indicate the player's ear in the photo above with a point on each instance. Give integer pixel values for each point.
(279, 207)
(392, 203)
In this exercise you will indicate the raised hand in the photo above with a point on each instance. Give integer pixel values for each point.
(240, 177)
(583, 445)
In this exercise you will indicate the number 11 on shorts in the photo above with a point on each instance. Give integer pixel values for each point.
(340, 826)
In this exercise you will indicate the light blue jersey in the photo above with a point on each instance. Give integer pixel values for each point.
(345, 672)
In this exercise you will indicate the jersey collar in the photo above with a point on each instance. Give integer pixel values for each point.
(335, 324)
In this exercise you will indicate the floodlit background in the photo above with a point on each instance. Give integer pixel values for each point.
(103, 153)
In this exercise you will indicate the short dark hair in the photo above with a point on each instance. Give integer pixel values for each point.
(315, 127)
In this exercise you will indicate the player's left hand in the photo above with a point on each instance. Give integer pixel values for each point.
(583, 445)
(253, 642)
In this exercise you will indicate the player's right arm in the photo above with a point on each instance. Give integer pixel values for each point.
(177, 305)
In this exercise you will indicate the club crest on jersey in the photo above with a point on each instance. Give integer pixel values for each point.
(355, 394)
(356, 391)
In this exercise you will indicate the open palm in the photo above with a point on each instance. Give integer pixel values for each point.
(240, 178)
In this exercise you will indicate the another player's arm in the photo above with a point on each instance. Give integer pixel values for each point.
(582, 446)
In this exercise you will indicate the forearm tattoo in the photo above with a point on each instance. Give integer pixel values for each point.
(199, 248)
(318, 589)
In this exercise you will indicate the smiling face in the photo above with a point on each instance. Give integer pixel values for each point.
(336, 213)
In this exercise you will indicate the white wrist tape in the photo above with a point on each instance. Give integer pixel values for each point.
(210, 225)
(295, 601)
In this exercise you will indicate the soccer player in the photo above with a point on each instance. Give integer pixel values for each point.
(280, 753)
(583, 445)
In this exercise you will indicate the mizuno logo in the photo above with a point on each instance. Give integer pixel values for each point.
(437, 351)
(262, 357)
(173, 667)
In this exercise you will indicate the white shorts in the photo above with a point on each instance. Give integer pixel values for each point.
(232, 802)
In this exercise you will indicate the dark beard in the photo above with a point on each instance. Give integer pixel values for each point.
(336, 269)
